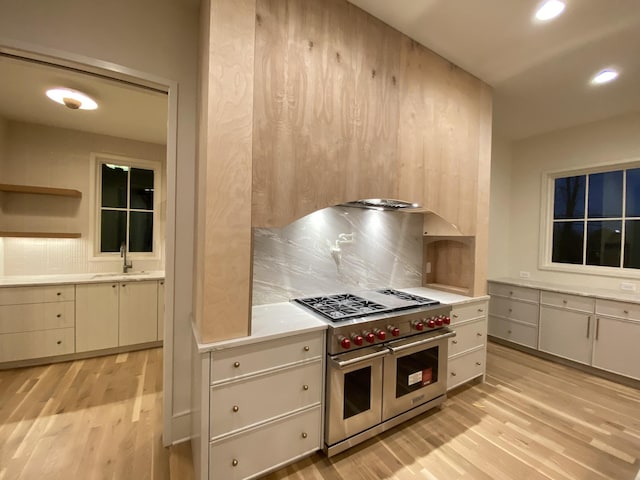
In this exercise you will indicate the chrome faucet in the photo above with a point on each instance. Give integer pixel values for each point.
(126, 265)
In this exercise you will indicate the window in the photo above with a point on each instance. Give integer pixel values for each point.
(127, 196)
(596, 219)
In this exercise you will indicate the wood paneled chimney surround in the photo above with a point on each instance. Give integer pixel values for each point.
(342, 107)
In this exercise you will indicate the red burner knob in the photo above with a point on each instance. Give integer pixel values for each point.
(431, 324)
(439, 321)
(395, 331)
(381, 334)
(370, 337)
(446, 320)
(418, 326)
(357, 339)
(344, 342)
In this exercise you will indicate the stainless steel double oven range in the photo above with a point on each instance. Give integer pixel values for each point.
(386, 361)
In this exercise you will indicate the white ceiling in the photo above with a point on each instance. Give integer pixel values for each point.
(540, 72)
(123, 110)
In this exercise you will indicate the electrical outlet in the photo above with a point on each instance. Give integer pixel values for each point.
(524, 274)
(628, 286)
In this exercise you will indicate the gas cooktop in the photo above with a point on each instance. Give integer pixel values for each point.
(343, 306)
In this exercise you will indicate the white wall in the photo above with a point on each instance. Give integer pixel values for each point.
(605, 142)
(61, 158)
(500, 207)
(159, 38)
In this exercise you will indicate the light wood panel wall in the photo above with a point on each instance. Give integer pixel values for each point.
(223, 274)
(326, 108)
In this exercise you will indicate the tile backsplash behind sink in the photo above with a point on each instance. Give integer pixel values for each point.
(315, 254)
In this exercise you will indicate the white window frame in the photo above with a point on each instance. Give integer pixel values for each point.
(546, 221)
(97, 159)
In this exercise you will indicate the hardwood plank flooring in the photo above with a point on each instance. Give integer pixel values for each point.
(98, 418)
(532, 419)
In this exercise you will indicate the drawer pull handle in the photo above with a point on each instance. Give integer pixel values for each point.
(481, 310)
(478, 334)
(306, 348)
(509, 332)
(626, 311)
(236, 364)
(59, 342)
(510, 292)
(58, 315)
(455, 316)
(453, 374)
(234, 462)
(478, 363)
(59, 293)
(564, 301)
(113, 286)
(455, 342)
(305, 387)
(235, 408)
(510, 310)
(304, 435)
(124, 285)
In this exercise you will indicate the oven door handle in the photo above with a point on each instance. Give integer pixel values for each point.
(425, 341)
(353, 361)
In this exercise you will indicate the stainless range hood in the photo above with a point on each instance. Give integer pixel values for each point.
(382, 204)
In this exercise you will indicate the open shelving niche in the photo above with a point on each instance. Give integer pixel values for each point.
(35, 190)
(449, 256)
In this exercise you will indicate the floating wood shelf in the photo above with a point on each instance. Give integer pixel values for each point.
(40, 234)
(62, 192)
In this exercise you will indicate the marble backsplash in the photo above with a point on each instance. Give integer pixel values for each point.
(336, 250)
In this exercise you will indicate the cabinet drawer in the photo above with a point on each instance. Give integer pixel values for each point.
(468, 336)
(42, 343)
(514, 310)
(465, 367)
(49, 293)
(611, 308)
(36, 316)
(254, 452)
(565, 300)
(240, 361)
(254, 400)
(468, 311)
(512, 291)
(523, 334)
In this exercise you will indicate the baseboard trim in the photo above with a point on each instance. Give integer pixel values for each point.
(180, 428)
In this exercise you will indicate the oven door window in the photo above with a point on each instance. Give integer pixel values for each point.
(416, 371)
(357, 392)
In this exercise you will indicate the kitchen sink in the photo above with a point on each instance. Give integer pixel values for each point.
(119, 275)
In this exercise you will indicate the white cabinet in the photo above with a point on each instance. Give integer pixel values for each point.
(36, 322)
(616, 346)
(566, 328)
(467, 350)
(138, 312)
(513, 314)
(96, 316)
(264, 405)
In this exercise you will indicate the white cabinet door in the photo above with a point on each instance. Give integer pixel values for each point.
(138, 312)
(96, 316)
(566, 333)
(616, 346)
(161, 310)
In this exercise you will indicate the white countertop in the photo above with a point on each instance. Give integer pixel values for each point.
(573, 290)
(72, 278)
(277, 320)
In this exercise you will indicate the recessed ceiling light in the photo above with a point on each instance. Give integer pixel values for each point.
(72, 99)
(605, 76)
(550, 9)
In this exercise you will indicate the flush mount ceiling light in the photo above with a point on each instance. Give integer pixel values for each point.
(604, 76)
(550, 9)
(72, 99)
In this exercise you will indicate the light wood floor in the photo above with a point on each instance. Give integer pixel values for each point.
(532, 419)
(99, 418)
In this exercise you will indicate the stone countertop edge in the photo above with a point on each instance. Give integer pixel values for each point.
(600, 293)
(74, 278)
(279, 320)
